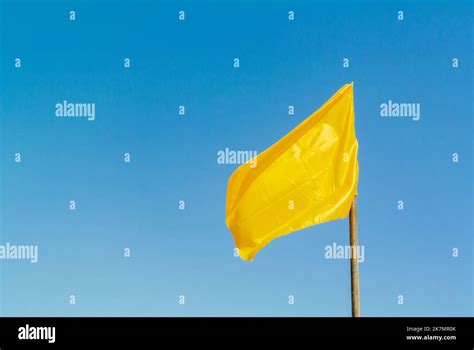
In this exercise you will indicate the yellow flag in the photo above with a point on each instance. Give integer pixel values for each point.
(306, 178)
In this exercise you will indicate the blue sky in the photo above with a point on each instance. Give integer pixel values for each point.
(190, 252)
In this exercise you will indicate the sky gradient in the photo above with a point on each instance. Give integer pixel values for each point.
(190, 252)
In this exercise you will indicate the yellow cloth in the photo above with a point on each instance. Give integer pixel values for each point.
(306, 178)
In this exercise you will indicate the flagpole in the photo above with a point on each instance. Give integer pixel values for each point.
(355, 293)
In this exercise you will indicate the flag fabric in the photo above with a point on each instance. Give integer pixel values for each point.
(306, 178)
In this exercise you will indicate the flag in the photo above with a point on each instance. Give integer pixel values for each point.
(306, 178)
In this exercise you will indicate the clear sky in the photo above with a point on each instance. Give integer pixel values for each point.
(189, 252)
